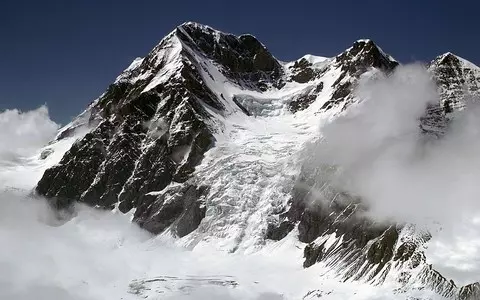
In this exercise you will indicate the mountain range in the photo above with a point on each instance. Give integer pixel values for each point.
(209, 138)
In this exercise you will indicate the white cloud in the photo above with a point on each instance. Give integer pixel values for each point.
(22, 133)
(97, 255)
(402, 177)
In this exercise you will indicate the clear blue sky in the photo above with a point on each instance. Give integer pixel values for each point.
(65, 52)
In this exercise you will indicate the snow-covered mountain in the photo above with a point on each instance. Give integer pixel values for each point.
(208, 138)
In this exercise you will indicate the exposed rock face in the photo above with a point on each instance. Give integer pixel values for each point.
(458, 82)
(244, 58)
(470, 292)
(302, 71)
(180, 208)
(303, 100)
(153, 128)
(355, 61)
(155, 123)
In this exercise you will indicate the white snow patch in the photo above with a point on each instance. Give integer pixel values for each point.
(171, 55)
(127, 72)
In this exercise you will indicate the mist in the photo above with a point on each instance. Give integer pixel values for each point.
(24, 132)
(406, 177)
(102, 255)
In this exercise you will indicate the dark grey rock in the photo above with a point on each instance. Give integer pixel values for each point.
(304, 100)
(312, 253)
(180, 209)
(302, 71)
(362, 56)
(470, 292)
(46, 153)
(244, 58)
(277, 233)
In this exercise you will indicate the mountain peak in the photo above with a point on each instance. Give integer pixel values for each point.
(363, 54)
(206, 37)
(366, 41)
(447, 58)
(450, 58)
(370, 46)
(194, 27)
(457, 78)
(193, 24)
(240, 55)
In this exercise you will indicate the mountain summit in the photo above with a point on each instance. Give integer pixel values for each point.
(200, 139)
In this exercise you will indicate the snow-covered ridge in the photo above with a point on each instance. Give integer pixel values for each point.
(315, 60)
(457, 78)
(465, 63)
(135, 64)
(366, 41)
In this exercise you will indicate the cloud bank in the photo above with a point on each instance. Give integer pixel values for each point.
(23, 133)
(403, 175)
(95, 254)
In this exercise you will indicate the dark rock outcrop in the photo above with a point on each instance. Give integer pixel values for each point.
(313, 253)
(458, 82)
(355, 61)
(303, 101)
(245, 60)
(179, 208)
(334, 226)
(302, 71)
(470, 292)
(365, 54)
